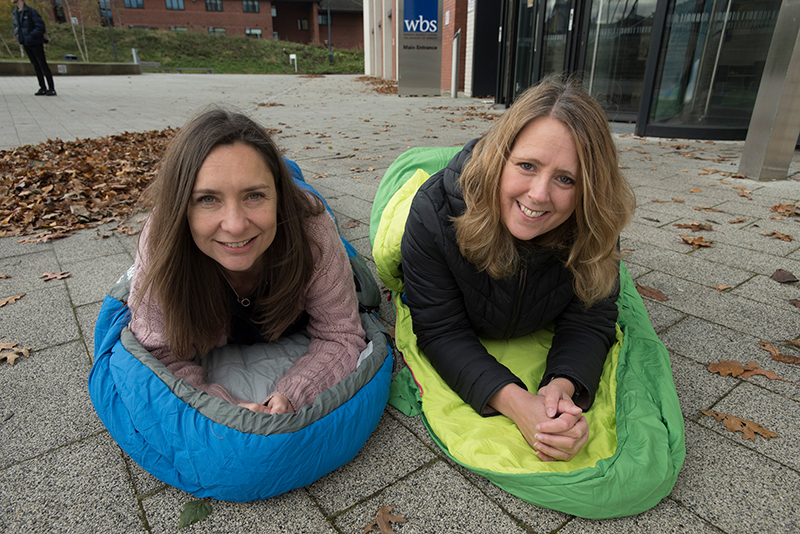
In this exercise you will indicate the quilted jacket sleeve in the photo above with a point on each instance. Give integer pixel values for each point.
(580, 345)
(440, 320)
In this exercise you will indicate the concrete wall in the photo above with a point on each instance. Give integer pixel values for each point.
(69, 68)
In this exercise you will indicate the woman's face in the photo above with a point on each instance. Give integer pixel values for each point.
(538, 183)
(233, 210)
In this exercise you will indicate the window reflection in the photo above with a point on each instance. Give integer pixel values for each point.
(711, 61)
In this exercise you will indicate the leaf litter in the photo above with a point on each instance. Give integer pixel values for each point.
(383, 520)
(10, 352)
(748, 428)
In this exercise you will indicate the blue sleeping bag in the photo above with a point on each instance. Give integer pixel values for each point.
(210, 448)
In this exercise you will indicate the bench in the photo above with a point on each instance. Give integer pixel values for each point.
(153, 65)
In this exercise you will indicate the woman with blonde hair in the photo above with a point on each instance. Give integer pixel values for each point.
(235, 252)
(519, 231)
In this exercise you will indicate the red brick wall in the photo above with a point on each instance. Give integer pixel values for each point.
(194, 17)
(285, 23)
(347, 30)
(458, 20)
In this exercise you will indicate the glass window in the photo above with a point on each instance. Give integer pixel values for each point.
(213, 5)
(711, 61)
(174, 4)
(274, 36)
(250, 6)
(255, 33)
(322, 19)
(302, 24)
(616, 53)
(274, 11)
(134, 4)
(178, 29)
(216, 31)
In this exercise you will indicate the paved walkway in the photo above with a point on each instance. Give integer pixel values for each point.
(61, 472)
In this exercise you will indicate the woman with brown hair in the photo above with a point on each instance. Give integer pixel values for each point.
(520, 231)
(235, 252)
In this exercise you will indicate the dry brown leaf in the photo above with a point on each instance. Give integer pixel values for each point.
(13, 352)
(787, 210)
(739, 220)
(795, 342)
(650, 292)
(352, 223)
(678, 200)
(783, 276)
(749, 429)
(695, 226)
(4, 276)
(626, 250)
(737, 369)
(383, 521)
(777, 355)
(778, 235)
(795, 302)
(660, 201)
(10, 300)
(707, 208)
(695, 190)
(721, 287)
(54, 276)
(696, 242)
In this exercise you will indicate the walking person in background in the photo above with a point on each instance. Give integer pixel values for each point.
(29, 28)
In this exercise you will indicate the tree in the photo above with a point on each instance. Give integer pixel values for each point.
(82, 11)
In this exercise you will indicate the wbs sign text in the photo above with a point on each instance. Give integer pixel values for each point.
(420, 16)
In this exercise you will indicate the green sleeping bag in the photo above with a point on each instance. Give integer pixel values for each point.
(636, 436)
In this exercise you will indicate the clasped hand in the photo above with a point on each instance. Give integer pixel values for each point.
(278, 403)
(549, 421)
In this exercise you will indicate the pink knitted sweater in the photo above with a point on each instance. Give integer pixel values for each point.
(337, 338)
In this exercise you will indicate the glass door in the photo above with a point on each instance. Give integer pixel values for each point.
(616, 54)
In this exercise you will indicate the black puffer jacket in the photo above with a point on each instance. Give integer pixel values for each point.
(29, 26)
(452, 303)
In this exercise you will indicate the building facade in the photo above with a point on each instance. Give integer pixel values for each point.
(300, 21)
(678, 68)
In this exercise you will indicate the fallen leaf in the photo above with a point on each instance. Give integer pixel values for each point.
(695, 226)
(54, 276)
(707, 208)
(778, 235)
(4, 276)
(193, 512)
(783, 276)
(660, 201)
(777, 355)
(737, 369)
(678, 200)
(794, 342)
(787, 210)
(14, 352)
(10, 300)
(383, 521)
(626, 250)
(795, 302)
(696, 190)
(696, 242)
(650, 292)
(737, 424)
(352, 223)
(739, 220)
(721, 287)
(650, 219)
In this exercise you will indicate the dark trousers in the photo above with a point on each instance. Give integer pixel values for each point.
(36, 55)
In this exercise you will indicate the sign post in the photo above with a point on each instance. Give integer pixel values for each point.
(419, 51)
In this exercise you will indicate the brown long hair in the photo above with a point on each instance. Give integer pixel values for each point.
(604, 201)
(188, 285)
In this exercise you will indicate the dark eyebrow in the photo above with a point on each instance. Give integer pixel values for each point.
(245, 190)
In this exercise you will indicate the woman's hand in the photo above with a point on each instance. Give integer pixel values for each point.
(278, 403)
(553, 438)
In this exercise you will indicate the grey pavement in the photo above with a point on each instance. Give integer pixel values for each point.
(61, 472)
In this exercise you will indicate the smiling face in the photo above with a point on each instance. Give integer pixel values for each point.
(233, 211)
(538, 183)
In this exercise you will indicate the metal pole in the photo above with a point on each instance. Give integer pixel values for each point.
(596, 44)
(454, 69)
(111, 32)
(330, 51)
(716, 59)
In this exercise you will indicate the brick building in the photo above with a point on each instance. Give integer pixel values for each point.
(300, 21)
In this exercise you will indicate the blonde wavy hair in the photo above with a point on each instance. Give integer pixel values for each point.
(587, 241)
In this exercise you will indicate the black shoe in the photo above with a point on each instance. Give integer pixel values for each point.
(51, 92)
(40, 92)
